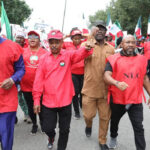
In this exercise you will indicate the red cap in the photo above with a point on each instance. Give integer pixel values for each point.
(55, 34)
(76, 32)
(33, 32)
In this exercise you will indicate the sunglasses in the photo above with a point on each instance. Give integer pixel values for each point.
(33, 37)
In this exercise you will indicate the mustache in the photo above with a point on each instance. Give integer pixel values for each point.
(53, 48)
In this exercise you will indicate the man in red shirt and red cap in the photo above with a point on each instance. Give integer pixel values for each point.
(125, 72)
(53, 80)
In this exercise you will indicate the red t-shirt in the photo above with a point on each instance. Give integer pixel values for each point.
(10, 52)
(31, 60)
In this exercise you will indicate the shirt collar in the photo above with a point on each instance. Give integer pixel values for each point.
(124, 54)
(105, 43)
(60, 53)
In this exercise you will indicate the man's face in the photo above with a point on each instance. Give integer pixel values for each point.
(76, 40)
(34, 40)
(129, 45)
(100, 34)
(20, 40)
(55, 45)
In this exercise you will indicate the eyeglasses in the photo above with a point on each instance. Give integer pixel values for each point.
(33, 37)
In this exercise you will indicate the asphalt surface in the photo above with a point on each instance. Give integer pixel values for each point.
(23, 140)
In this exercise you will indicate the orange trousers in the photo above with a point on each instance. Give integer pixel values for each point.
(90, 106)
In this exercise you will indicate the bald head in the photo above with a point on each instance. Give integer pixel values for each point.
(129, 44)
(128, 37)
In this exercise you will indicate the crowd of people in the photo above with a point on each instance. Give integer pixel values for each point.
(90, 73)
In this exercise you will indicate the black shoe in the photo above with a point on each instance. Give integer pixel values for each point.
(16, 120)
(77, 116)
(34, 129)
(50, 143)
(88, 131)
(103, 147)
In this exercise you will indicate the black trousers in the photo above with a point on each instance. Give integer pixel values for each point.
(77, 99)
(50, 117)
(29, 100)
(135, 114)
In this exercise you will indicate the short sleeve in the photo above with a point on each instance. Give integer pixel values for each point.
(108, 67)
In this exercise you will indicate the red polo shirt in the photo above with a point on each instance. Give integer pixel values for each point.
(53, 78)
(30, 67)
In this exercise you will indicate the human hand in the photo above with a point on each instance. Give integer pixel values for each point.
(89, 44)
(37, 109)
(7, 84)
(66, 36)
(122, 85)
(94, 30)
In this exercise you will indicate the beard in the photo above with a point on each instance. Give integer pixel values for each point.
(129, 53)
(98, 38)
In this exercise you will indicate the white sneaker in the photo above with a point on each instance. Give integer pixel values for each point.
(50, 143)
(112, 143)
(29, 120)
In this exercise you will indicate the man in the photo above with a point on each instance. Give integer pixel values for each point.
(53, 80)
(77, 70)
(125, 72)
(94, 89)
(11, 71)
(31, 57)
(109, 40)
(20, 39)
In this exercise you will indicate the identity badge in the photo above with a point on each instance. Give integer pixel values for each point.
(62, 63)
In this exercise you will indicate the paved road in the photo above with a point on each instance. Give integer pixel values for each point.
(77, 139)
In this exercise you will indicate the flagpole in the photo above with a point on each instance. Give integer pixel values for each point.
(64, 15)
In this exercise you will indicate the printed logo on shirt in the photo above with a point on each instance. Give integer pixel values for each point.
(62, 63)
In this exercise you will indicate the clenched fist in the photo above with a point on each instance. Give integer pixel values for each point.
(89, 44)
(122, 85)
(7, 84)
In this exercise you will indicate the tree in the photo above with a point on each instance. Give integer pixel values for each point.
(100, 15)
(127, 13)
(17, 11)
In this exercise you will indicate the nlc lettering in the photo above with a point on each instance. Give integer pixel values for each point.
(131, 75)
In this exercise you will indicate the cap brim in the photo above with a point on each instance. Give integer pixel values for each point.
(33, 32)
(101, 25)
(55, 38)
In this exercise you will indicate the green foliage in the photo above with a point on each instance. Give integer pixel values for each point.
(17, 11)
(100, 15)
(127, 13)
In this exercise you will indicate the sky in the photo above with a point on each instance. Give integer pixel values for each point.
(52, 11)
